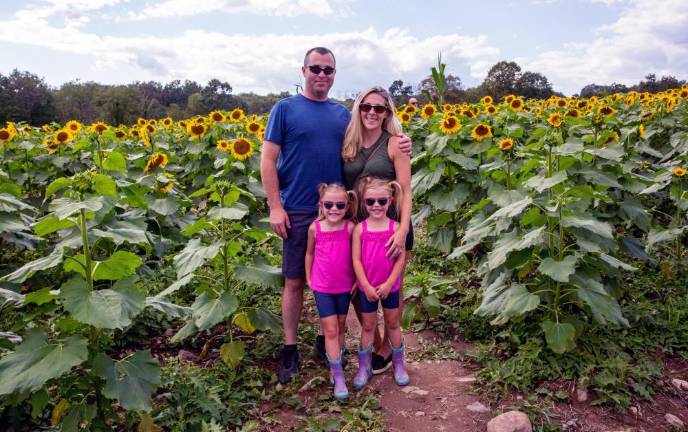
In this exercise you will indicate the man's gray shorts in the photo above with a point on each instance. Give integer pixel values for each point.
(294, 247)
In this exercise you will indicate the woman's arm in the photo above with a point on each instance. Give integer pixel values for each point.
(310, 247)
(402, 169)
(358, 265)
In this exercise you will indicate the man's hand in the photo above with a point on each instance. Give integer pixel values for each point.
(405, 145)
(396, 244)
(279, 221)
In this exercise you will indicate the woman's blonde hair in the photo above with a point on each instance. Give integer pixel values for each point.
(351, 196)
(395, 190)
(353, 138)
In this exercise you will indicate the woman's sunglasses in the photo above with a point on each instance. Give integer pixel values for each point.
(371, 201)
(366, 107)
(315, 69)
(341, 205)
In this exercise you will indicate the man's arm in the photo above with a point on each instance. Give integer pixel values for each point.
(279, 220)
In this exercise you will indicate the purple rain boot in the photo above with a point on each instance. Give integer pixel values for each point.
(400, 375)
(365, 370)
(337, 378)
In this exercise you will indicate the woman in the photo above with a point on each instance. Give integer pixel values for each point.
(371, 149)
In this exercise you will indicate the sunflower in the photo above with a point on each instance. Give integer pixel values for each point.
(647, 115)
(73, 126)
(447, 108)
(5, 135)
(647, 165)
(481, 132)
(683, 94)
(427, 111)
(516, 104)
(491, 109)
(641, 131)
(167, 187)
(199, 120)
(196, 130)
(509, 98)
(141, 121)
(404, 117)
(613, 138)
(573, 113)
(253, 127)
(554, 119)
(134, 132)
(467, 113)
(51, 146)
(506, 144)
(98, 128)
(153, 122)
(47, 128)
(217, 116)
(487, 100)
(63, 136)
(241, 148)
(679, 172)
(561, 103)
(450, 124)
(167, 122)
(224, 145)
(145, 136)
(120, 134)
(411, 109)
(182, 124)
(157, 160)
(607, 111)
(236, 115)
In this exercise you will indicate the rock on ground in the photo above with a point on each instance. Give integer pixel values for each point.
(674, 421)
(512, 421)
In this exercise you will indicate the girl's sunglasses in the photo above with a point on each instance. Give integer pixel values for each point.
(371, 201)
(366, 107)
(341, 205)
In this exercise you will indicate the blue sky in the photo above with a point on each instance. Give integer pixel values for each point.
(257, 45)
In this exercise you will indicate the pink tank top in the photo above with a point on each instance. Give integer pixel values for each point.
(375, 262)
(332, 271)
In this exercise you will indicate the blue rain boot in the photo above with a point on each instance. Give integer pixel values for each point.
(365, 370)
(337, 378)
(400, 375)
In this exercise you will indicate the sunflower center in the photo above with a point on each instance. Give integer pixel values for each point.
(242, 147)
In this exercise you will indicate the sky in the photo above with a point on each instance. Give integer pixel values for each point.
(258, 45)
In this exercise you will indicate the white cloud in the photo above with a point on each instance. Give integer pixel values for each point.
(185, 8)
(260, 63)
(649, 36)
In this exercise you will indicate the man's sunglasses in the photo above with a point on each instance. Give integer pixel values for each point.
(371, 201)
(315, 69)
(366, 107)
(341, 205)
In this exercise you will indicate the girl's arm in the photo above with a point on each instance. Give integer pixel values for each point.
(358, 265)
(402, 169)
(383, 290)
(310, 246)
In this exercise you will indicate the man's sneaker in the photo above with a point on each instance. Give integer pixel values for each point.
(289, 365)
(381, 364)
(319, 347)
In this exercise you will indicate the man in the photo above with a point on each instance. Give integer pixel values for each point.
(413, 101)
(301, 149)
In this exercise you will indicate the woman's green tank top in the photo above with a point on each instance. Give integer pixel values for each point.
(380, 165)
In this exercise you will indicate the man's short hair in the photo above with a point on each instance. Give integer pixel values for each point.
(321, 51)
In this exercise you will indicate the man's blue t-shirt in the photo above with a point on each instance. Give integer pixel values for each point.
(310, 135)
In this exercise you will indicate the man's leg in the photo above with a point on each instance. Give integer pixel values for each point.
(292, 304)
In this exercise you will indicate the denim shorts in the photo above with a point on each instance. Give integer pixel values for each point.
(294, 247)
(332, 304)
(391, 302)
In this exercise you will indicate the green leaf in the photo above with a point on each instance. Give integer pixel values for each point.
(449, 200)
(123, 231)
(236, 212)
(39, 401)
(441, 238)
(560, 271)
(105, 185)
(36, 361)
(131, 381)
(50, 224)
(57, 185)
(106, 308)
(170, 309)
(260, 274)
(8, 204)
(425, 179)
(120, 265)
(510, 242)
(560, 336)
(11, 223)
(64, 207)
(520, 301)
(165, 206)
(42, 296)
(243, 321)
(232, 352)
(195, 227)
(603, 306)
(263, 319)
(11, 298)
(194, 255)
(591, 224)
(618, 264)
(505, 301)
(540, 182)
(28, 270)
(432, 305)
(661, 236)
(115, 162)
(209, 311)
(409, 314)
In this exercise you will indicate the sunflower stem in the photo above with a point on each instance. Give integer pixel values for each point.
(88, 265)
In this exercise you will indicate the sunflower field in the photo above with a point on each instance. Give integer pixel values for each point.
(550, 203)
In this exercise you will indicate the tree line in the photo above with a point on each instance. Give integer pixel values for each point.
(25, 96)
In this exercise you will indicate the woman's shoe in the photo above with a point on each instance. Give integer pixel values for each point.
(365, 370)
(337, 378)
(400, 375)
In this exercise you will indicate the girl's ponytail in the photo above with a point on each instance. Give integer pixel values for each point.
(353, 204)
(397, 194)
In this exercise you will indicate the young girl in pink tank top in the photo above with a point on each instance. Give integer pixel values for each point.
(379, 276)
(329, 272)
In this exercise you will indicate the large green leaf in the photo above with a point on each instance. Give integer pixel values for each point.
(106, 308)
(11, 223)
(560, 336)
(36, 361)
(425, 179)
(660, 236)
(170, 309)
(28, 270)
(105, 185)
(541, 182)
(165, 206)
(194, 255)
(560, 271)
(9, 297)
(131, 381)
(120, 265)
(236, 212)
(232, 352)
(449, 199)
(604, 307)
(260, 274)
(510, 242)
(115, 162)
(591, 224)
(57, 185)
(50, 224)
(263, 319)
(64, 207)
(8, 204)
(209, 311)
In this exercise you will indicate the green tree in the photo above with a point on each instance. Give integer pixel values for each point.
(501, 79)
(25, 97)
(533, 85)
